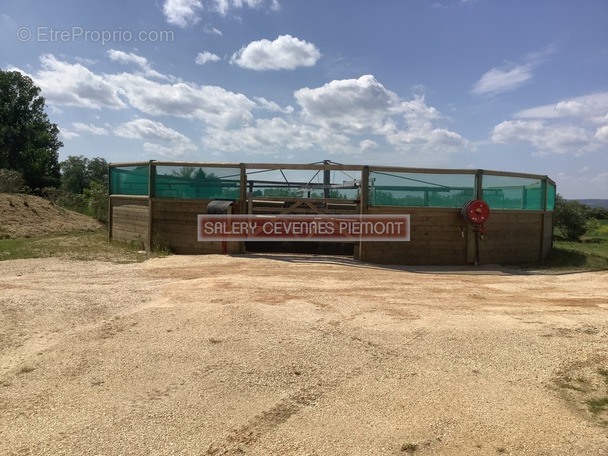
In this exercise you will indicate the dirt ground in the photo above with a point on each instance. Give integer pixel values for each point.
(299, 355)
(29, 215)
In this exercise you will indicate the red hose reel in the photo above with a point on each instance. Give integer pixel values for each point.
(476, 212)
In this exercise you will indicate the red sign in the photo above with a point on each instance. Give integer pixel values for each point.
(329, 228)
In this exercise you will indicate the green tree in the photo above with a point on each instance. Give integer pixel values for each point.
(570, 217)
(29, 142)
(84, 186)
(74, 174)
(599, 213)
(79, 172)
(97, 171)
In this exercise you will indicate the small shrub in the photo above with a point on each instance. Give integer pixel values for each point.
(50, 193)
(570, 218)
(97, 196)
(11, 181)
(73, 201)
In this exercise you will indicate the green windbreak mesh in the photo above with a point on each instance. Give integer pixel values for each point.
(129, 180)
(504, 192)
(550, 197)
(314, 184)
(197, 182)
(420, 189)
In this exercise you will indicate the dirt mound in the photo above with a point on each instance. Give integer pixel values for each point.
(27, 216)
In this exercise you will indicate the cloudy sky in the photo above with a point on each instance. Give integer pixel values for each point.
(518, 85)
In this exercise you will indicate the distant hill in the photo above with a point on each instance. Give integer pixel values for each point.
(595, 202)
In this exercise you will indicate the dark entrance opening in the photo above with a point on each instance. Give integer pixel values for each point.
(311, 247)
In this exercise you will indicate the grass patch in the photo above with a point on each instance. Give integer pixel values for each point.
(75, 246)
(603, 373)
(26, 370)
(567, 383)
(578, 255)
(590, 253)
(597, 406)
(409, 448)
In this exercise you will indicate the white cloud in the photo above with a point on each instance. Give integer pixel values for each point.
(212, 30)
(68, 84)
(499, 80)
(67, 134)
(510, 76)
(224, 7)
(342, 117)
(85, 61)
(602, 133)
(7, 21)
(546, 138)
(142, 62)
(127, 57)
(364, 106)
(212, 104)
(574, 125)
(89, 128)
(182, 13)
(276, 136)
(173, 143)
(185, 13)
(284, 53)
(336, 110)
(352, 105)
(368, 144)
(593, 107)
(204, 57)
(267, 105)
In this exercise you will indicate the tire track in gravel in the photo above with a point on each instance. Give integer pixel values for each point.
(237, 441)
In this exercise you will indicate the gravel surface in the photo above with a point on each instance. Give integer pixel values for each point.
(298, 355)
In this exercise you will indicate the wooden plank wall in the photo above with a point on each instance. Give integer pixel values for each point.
(441, 237)
(547, 234)
(436, 239)
(129, 220)
(513, 237)
(174, 226)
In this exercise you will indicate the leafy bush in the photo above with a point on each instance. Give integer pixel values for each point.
(570, 218)
(97, 196)
(11, 181)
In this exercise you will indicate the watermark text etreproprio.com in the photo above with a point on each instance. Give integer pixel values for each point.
(43, 34)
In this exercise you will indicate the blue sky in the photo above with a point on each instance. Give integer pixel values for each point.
(518, 85)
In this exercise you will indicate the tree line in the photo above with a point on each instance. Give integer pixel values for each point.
(29, 153)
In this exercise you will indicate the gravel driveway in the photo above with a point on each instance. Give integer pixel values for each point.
(299, 355)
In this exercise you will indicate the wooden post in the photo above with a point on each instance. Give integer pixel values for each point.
(109, 203)
(479, 184)
(364, 203)
(243, 189)
(151, 194)
(326, 180)
(243, 203)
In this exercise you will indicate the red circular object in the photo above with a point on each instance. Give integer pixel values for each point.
(476, 212)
